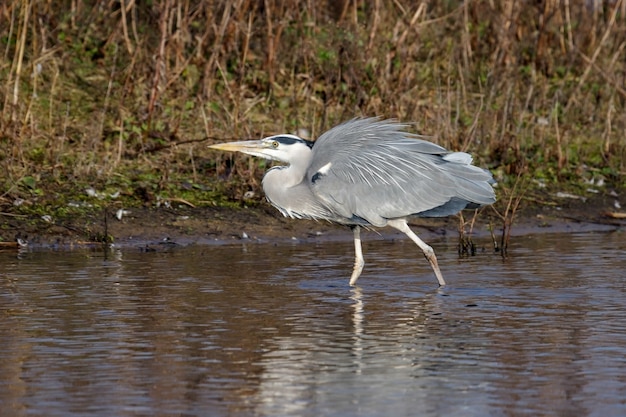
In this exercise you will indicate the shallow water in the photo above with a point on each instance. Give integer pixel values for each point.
(274, 330)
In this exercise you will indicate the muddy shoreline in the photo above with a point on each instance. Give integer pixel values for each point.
(183, 225)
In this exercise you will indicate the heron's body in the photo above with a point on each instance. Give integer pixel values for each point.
(371, 173)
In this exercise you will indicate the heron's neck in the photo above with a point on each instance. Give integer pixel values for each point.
(294, 173)
(285, 189)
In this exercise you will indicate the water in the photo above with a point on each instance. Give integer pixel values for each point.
(274, 330)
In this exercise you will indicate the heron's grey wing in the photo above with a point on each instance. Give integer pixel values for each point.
(373, 170)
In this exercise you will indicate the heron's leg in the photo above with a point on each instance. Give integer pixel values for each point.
(429, 253)
(359, 262)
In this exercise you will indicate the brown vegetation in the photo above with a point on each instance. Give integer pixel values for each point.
(125, 95)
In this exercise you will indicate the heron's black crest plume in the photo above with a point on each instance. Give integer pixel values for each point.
(290, 140)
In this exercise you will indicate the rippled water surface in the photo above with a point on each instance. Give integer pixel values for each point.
(274, 330)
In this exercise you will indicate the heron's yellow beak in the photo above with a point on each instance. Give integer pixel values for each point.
(251, 147)
(243, 146)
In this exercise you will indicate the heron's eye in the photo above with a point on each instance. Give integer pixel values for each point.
(274, 144)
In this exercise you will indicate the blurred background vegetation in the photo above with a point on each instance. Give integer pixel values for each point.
(122, 97)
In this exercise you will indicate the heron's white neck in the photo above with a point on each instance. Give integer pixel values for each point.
(285, 189)
(294, 172)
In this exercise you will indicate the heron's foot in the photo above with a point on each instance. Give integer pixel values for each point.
(356, 271)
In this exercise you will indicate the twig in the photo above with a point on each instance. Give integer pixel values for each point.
(603, 73)
(514, 200)
(559, 145)
(596, 53)
(607, 131)
(20, 51)
(496, 248)
(375, 22)
(180, 200)
(13, 215)
(271, 46)
(159, 68)
(209, 68)
(107, 96)
(466, 244)
(123, 7)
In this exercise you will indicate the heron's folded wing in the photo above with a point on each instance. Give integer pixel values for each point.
(373, 170)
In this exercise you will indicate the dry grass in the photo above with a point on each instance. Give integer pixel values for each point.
(91, 90)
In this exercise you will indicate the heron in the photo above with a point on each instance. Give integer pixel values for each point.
(369, 173)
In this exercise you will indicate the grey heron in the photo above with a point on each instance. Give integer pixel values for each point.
(369, 173)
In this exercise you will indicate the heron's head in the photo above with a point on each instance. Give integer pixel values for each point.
(284, 148)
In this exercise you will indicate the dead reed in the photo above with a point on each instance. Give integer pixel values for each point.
(95, 91)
